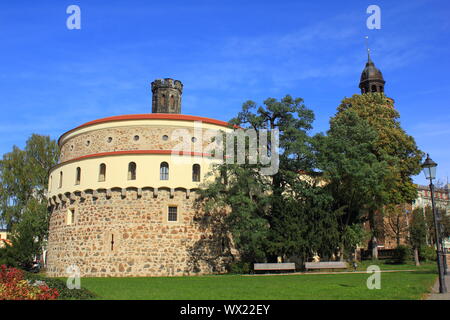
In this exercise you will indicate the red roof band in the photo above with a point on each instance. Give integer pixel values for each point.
(149, 116)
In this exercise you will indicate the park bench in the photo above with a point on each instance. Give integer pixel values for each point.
(287, 266)
(326, 265)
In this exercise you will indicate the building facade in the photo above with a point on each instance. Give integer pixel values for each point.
(441, 200)
(122, 200)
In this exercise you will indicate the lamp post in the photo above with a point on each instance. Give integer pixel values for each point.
(429, 169)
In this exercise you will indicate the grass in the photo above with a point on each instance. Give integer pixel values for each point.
(394, 285)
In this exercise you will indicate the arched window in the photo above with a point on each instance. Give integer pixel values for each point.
(196, 173)
(374, 88)
(163, 100)
(102, 173)
(164, 171)
(381, 89)
(172, 101)
(78, 176)
(132, 171)
(60, 179)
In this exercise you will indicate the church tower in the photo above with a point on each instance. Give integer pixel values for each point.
(371, 78)
(166, 96)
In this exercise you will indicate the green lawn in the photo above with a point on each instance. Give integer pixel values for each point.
(400, 285)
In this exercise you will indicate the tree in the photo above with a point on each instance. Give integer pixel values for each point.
(23, 189)
(236, 205)
(418, 232)
(282, 214)
(354, 175)
(397, 225)
(392, 145)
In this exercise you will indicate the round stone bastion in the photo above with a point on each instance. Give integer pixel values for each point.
(121, 204)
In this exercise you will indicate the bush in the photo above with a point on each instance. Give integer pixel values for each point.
(14, 286)
(402, 254)
(239, 267)
(60, 285)
(427, 253)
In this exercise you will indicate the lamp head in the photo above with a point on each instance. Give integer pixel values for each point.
(429, 168)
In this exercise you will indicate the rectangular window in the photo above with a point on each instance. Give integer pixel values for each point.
(173, 214)
(70, 216)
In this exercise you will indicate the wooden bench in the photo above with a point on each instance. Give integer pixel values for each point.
(326, 265)
(287, 266)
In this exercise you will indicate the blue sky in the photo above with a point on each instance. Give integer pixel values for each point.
(225, 52)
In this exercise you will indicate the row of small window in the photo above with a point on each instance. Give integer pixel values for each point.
(163, 173)
(135, 138)
(172, 215)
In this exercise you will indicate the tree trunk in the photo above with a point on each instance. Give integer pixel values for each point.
(374, 239)
(341, 254)
(416, 257)
(374, 248)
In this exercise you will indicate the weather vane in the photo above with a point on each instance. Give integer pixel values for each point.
(367, 46)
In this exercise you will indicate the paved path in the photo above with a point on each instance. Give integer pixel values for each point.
(435, 295)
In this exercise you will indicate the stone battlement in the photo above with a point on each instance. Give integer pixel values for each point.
(167, 83)
(123, 193)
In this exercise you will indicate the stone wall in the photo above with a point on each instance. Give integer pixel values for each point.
(145, 243)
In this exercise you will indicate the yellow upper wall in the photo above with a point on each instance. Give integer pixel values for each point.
(147, 172)
(148, 153)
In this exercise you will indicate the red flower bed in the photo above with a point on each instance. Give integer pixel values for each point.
(13, 286)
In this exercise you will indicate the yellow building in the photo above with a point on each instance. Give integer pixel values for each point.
(122, 198)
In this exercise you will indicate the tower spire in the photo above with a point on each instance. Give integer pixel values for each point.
(371, 77)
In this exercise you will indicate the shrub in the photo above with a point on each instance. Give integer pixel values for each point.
(60, 285)
(427, 253)
(402, 254)
(13, 286)
(239, 267)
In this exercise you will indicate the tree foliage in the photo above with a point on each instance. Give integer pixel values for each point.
(418, 229)
(392, 144)
(353, 174)
(23, 204)
(278, 215)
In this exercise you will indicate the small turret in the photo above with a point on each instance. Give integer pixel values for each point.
(371, 78)
(166, 96)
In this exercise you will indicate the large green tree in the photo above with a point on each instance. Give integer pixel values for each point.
(283, 214)
(352, 173)
(392, 145)
(23, 188)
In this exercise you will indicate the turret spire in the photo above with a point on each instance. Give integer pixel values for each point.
(371, 77)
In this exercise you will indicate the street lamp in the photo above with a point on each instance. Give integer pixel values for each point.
(429, 169)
